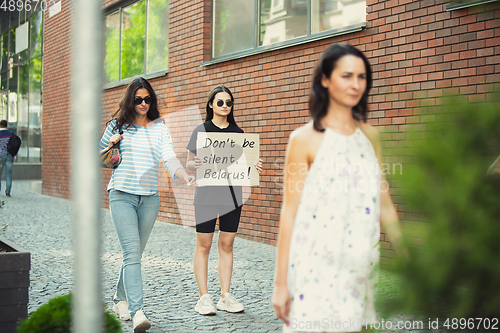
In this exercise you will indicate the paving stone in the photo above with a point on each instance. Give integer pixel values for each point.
(42, 225)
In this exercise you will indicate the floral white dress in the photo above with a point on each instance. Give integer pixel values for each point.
(334, 249)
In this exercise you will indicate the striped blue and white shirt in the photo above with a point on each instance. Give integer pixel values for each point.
(141, 150)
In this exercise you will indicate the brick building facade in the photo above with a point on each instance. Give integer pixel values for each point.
(418, 51)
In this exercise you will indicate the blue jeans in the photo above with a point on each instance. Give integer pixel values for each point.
(133, 217)
(7, 161)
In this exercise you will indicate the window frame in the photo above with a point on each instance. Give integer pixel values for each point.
(118, 7)
(460, 4)
(258, 49)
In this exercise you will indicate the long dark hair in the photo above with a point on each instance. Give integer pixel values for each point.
(125, 114)
(319, 98)
(211, 97)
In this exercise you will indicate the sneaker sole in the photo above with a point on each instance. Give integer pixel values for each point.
(142, 327)
(223, 309)
(124, 318)
(210, 313)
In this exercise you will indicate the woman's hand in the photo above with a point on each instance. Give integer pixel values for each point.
(190, 180)
(197, 162)
(258, 165)
(281, 302)
(193, 162)
(182, 173)
(114, 139)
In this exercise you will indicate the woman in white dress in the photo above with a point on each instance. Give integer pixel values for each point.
(334, 201)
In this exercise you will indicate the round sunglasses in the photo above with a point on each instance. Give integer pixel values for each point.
(229, 103)
(138, 100)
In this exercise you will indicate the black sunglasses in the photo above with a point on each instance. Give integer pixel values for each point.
(229, 103)
(138, 100)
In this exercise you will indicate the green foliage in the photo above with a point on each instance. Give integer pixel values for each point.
(55, 317)
(455, 269)
(133, 40)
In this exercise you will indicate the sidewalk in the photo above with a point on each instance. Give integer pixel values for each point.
(42, 225)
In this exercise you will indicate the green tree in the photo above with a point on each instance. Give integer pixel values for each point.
(455, 270)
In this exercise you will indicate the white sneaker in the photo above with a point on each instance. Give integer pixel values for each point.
(141, 323)
(230, 304)
(205, 306)
(121, 309)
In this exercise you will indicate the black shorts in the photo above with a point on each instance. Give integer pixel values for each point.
(206, 217)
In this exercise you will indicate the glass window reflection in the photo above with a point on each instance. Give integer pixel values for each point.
(21, 87)
(133, 39)
(281, 20)
(12, 106)
(4, 93)
(22, 112)
(157, 54)
(36, 34)
(12, 48)
(136, 40)
(112, 47)
(233, 26)
(334, 14)
(4, 55)
(35, 111)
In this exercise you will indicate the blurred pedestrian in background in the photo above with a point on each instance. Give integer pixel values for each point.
(6, 159)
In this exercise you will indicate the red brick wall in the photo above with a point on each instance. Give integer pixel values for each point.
(56, 122)
(417, 50)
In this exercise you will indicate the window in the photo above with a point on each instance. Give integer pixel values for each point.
(233, 26)
(136, 40)
(247, 26)
(21, 86)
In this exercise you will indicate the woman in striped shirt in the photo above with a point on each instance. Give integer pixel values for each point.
(133, 188)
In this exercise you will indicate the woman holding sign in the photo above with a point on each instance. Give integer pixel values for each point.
(133, 188)
(334, 199)
(212, 201)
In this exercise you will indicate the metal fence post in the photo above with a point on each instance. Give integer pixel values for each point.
(86, 178)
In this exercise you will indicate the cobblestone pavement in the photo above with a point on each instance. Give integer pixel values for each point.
(42, 225)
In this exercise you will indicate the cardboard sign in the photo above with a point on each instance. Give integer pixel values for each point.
(227, 159)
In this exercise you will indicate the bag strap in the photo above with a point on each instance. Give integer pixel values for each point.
(120, 131)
